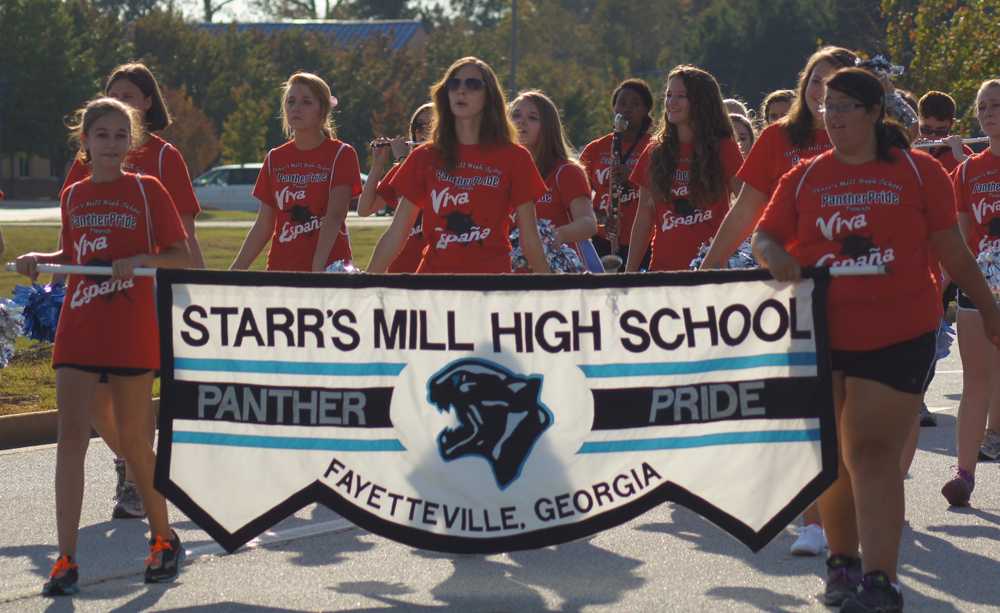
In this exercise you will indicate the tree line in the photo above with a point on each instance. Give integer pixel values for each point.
(223, 88)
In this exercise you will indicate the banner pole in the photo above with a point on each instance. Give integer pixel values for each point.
(74, 269)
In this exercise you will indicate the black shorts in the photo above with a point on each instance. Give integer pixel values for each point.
(104, 371)
(964, 302)
(905, 366)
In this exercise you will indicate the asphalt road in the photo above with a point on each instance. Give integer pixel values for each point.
(666, 560)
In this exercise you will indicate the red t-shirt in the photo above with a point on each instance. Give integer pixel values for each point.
(106, 322)
(156, 158)
(773, 154)
(409, 257)
(297, 184)
(679, 228)
(947, 158)
(596, 158)
(829, 213)
(977, 187)
(566, 182)
(467, 210)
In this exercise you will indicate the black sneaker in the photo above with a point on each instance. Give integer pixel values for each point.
(64, 578)
(163, 563)
(877, 595)
(927, 419)
(843, 575)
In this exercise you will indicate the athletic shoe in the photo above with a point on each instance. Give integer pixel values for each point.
(120, 474)
(877, 595)
(163, 563)
(927, 419)
(989, 451)
(63, 579)
(959, 489)
(128, 505)
(843, 575)
(811, 541)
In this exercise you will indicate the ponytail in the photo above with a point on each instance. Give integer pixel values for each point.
(888, 135)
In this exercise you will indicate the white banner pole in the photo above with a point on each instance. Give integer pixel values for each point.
(73, 269)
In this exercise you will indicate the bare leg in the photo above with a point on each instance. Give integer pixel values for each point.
(74, 393)
(979, 363)
(836, 505)
(133, 407)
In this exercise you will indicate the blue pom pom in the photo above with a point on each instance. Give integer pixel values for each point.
(40, 305)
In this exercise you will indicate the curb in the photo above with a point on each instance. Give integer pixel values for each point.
(38, 428)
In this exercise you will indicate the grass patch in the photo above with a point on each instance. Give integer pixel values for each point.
(28, 383)
(220, 215)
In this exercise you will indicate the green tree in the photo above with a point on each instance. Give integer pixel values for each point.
(949, 46)
(244, 135)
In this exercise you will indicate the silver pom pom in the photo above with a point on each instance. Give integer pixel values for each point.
(742, 258)
(11, 324)
(561, 257)
(989, 263)
(342, 266)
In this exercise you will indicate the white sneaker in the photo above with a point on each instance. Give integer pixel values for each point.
(990, 449)
(811, 541)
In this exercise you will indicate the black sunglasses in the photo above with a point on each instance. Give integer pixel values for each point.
(939, 132)
(472, 84)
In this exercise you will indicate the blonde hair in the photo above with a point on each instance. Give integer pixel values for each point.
(83, 120)
(324, 96)
(982, 89)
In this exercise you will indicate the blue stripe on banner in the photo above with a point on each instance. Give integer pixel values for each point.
(597, 371)
(707, 440)
(357, 369)
(286, 442)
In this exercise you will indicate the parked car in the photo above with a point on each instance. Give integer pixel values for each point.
(229, 187)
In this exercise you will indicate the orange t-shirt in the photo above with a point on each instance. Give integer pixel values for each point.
(596, 158)
(679, 227)
(829, 213)
(409, 257)
(773, 154)
(106, 322)
(156, 158)
(566, 182)
(297, 184)
(947, 158)
(467, 210)
(977, 187)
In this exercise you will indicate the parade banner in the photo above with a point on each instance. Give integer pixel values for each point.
(479, 414)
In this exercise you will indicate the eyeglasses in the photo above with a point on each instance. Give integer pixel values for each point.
(840, 107)
(938, 132)
(472, 84)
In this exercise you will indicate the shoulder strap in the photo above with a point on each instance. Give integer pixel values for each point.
(913, 165)
(334, 165)
(163, 150)
(149, 220)
(805, 174)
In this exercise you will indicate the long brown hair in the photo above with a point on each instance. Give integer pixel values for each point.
(710, 123)
(799, 120)
(495, 128)
(552, 146)
(428, 108)
(157, 117)
(866, 88)
(324, 97)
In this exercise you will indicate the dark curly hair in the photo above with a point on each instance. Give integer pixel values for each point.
(711, 124)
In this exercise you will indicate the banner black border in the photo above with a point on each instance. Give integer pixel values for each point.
(319, 492)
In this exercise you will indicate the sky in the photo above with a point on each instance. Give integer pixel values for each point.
(242, 10)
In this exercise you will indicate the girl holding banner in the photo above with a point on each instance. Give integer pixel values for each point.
(871, 201)
(128, 221)
(466, 182)
(305, 186)
(685, 176)
(566, 202)
(135, 85)
(977, 185)
(379, 192)
(633, 100)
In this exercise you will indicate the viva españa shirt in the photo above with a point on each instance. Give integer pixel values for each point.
(877, 213)
(679, 227)
(596, 158)
(104, 321)
(977, 186)
(466, 210)
(565, 183)
(297, 184)
(156, 158)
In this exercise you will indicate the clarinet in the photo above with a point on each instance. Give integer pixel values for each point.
(613, 262)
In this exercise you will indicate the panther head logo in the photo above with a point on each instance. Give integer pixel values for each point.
(500, 415)
(683, 207)
(993, 229)
(856, 246)
(459, 223)
(301, 214)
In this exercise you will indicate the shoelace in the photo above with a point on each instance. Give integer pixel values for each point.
(61, 566)
(159, 545)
